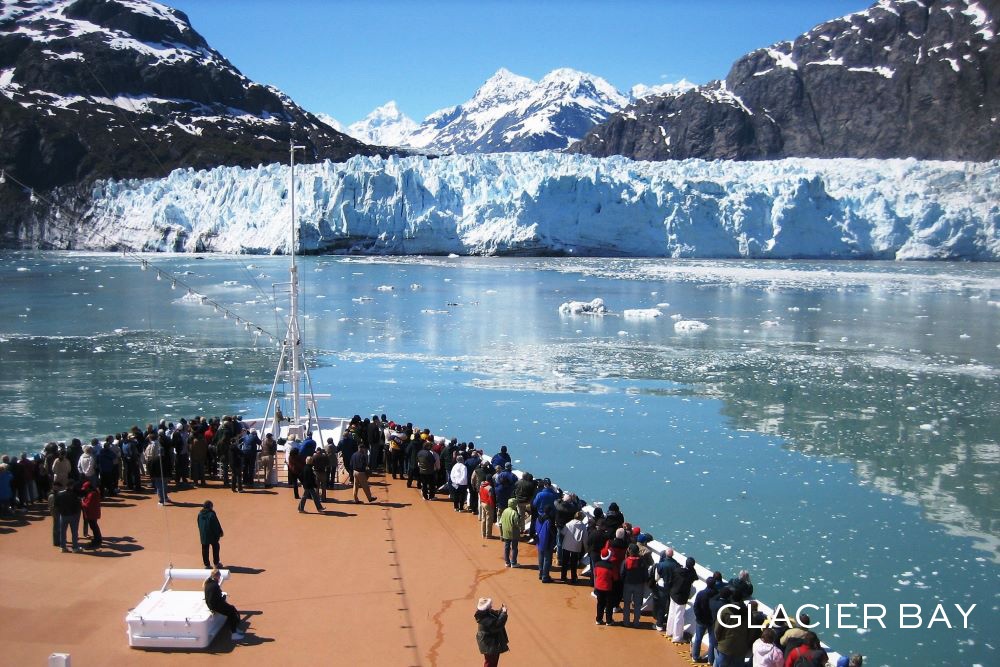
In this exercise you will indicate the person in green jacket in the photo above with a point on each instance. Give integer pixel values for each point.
(210, 531)
(511, 526)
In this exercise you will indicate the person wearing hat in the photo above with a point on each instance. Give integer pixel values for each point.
(605, 576)
(491, 635)
(359, 464)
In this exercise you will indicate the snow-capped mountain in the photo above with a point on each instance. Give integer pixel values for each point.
(514, 113)
(904, 78)
(554, 203)
(385, 126)
(329, 120)
(641, 90)
(98, 88)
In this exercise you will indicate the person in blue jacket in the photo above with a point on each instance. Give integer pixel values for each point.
(546, 535)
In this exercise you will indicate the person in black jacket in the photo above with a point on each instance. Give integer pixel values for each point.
(236, 465)
(308, 479)
(492, 634)
(216, 602)
(704, 622)
(680, 591)
(69, 507)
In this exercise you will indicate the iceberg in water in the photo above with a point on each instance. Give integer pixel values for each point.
(641, 313)
(689, 326)
(595, 307)
(550, 203)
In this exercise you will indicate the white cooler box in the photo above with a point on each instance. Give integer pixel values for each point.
(174, 619)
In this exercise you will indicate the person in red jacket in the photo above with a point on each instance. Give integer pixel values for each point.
(605, 576)
(91, 502)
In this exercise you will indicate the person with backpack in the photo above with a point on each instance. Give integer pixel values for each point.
(808, 654)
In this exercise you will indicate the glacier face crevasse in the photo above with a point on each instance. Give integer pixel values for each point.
(551, 203)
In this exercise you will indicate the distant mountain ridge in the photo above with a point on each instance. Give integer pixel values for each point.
(127, 88)
(904, 78)
(514, 113)
(384, 126)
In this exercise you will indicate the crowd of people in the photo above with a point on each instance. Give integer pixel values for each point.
(623, 570)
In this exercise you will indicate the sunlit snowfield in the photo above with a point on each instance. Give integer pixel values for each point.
(835, 428)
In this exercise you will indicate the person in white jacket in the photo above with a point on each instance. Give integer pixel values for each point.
(574, 537)
(459, 483)
(766, 652)
(87, 465)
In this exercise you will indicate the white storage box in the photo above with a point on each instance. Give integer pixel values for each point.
(174, 619)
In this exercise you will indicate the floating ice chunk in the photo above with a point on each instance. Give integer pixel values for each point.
(595, 307)
(585, 447)
(651, 452)
(491, 291)
(676, 317)
(689, 326)
(385, 288)
(362, 299)
(622, 333)
(641, 313)
(452, 255)
(23, 268)
(431, 311)
(230, 283)
(965, 336)
(415, 286)
(793, 309)
(770, 323)
(193, 297)
(663, 305)
(926, 427)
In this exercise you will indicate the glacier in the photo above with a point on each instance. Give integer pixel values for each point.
(550, 203)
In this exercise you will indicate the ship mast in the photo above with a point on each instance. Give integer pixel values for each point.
(291, 347)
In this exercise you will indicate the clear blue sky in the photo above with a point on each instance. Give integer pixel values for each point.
(346, 57)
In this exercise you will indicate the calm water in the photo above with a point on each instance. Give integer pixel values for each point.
(835, 429)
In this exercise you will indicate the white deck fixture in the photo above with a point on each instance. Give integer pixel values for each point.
(174, 619)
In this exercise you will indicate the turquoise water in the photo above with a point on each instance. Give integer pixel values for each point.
(835, 428)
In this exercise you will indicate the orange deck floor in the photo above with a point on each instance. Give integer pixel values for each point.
(393, 583)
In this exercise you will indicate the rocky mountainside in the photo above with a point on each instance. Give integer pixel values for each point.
(127, 88)
(514, 113)
(905, 78)
(384, 126)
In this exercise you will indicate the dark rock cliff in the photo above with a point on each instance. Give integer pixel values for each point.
(100, 88)
(905, 78)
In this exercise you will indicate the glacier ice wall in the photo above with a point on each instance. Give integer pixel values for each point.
(551, 203)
